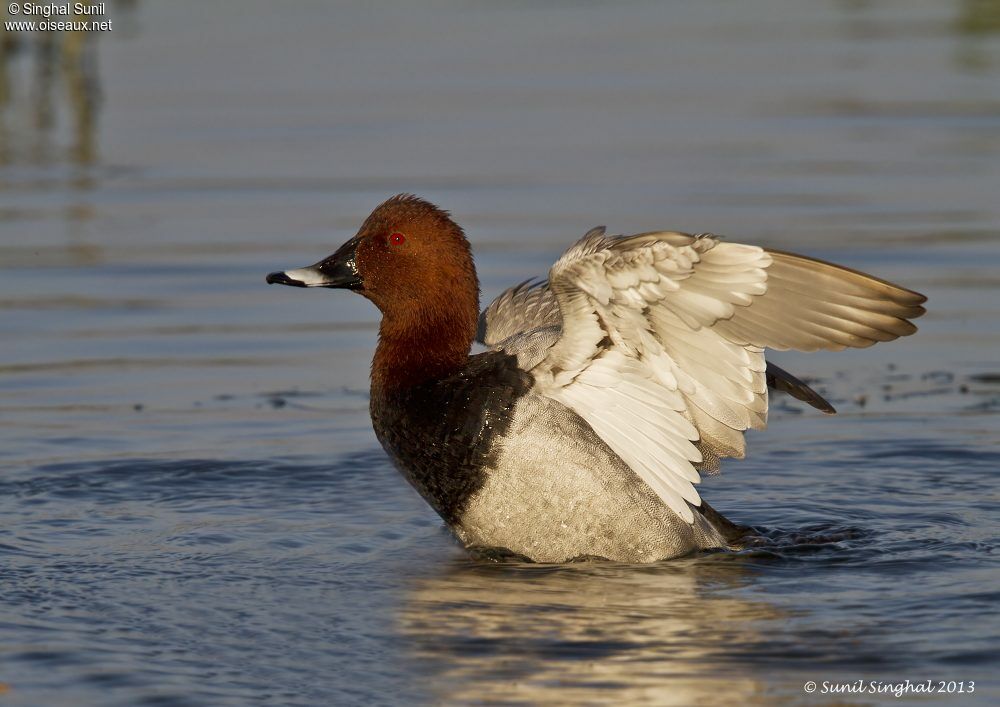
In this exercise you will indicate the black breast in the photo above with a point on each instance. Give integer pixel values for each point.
(441, 433)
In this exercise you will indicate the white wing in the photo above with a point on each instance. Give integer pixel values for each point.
(663, 336)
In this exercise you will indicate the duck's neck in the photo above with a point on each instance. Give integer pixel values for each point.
(414, 350)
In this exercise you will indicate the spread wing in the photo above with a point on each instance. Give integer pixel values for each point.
(663, 337)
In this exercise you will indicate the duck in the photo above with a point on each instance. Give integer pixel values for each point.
(604, 392)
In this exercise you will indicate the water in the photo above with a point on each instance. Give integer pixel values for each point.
(193, 507)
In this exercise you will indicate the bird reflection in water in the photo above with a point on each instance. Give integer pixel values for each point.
(579, 633)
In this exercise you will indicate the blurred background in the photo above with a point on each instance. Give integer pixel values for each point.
(194, 509)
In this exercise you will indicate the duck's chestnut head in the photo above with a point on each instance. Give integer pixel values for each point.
(408, 256)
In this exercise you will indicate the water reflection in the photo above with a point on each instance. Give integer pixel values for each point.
(977, 21)
(579, 633)
(979, 17)
(50, 94)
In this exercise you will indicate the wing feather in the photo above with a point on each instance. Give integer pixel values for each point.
(521, 308)
(662, 341)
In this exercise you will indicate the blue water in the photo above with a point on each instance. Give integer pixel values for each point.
(193, 507)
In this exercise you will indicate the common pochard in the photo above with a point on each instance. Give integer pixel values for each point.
(606, 390)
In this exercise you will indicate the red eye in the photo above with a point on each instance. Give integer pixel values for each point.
(397, 239)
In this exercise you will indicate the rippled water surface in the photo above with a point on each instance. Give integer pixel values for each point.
(193, 507)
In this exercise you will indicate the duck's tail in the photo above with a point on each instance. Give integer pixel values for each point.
(733, 533)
